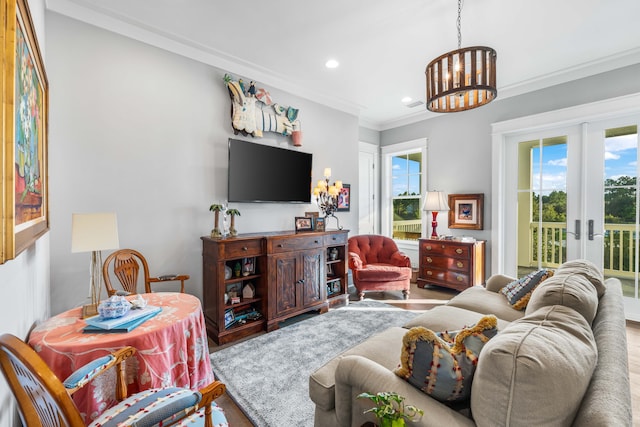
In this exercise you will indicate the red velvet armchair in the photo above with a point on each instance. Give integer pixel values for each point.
(378, 265)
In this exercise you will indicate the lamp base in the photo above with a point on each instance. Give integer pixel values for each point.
(89, 310)
(434, 225)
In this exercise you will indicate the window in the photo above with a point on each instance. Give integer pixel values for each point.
(404, 182)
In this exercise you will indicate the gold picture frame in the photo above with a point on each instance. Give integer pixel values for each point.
(24, 130)
(466, 211)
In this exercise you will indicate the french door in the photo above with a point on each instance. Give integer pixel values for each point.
(570, 191)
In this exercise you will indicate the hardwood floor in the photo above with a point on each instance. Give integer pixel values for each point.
(423, 299)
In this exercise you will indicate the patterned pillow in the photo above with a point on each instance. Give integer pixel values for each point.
(442, 364)
(519, 291)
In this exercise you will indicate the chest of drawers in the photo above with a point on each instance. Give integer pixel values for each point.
(451, 264)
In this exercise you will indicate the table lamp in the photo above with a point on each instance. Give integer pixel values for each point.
(435, 201)
(94, 232)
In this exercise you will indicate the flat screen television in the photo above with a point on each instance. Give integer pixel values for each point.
(263, 173)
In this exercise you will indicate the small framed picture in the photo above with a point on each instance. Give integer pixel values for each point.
(319, 224)
(304, 223)
(234, 290)
(466, 211)
(312, 214)
(229, 317)
(344, 198)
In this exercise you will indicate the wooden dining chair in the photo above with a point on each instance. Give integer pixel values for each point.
(45, 401)
(126, 266)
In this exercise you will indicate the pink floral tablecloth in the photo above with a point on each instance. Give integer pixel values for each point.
(172, 350)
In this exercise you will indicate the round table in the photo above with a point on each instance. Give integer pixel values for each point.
(172, 350)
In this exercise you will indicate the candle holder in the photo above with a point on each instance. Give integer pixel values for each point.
(327, 196)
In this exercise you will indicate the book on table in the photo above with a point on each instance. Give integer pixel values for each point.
(132, 315)
(127, 327)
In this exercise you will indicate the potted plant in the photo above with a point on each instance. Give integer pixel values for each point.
(216, 208)
(232, 228)
(390, 409)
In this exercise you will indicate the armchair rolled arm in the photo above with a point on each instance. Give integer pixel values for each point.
(83, 375)
(355, 262)
(400, 259)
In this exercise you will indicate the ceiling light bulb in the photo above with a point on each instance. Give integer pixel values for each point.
(332, 63)
(407, 99)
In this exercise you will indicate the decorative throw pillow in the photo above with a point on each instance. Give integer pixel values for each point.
(519, 291)
(442, 364)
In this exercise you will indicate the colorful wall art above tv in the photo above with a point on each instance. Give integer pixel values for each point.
(268, 174)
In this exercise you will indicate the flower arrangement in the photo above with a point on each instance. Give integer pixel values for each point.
(390, 409)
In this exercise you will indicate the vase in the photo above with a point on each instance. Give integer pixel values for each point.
(232, 228)
(216, 230)
(388, 422)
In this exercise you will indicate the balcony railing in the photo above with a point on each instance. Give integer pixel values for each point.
(619, 242)
(407, 230)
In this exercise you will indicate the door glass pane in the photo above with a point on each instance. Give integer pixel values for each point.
(406, 187)
(542, 204)
(620, 207)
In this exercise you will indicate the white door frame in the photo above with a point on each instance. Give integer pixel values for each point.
(504, 226)
(374, 185)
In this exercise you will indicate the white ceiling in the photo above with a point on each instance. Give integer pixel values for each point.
(383, 46)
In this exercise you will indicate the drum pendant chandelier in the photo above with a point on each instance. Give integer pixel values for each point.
(461, 79)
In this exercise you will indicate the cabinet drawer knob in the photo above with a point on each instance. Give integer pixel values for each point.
(333, 238)
(429, 273)
(280, 245)
(428, 247)
(429, 259)
(459, 278)
(244, 248)
(460, 264)
(458, 251)
(315, 241)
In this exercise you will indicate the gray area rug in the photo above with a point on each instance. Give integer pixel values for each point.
(268, 376)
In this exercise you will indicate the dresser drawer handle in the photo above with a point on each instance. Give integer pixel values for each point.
(315, 241)
(429, 259)
(428, 247)
(334, 239)
(458, 251)
(460, 264)
(460, 278)
(244, 248)
(429, 273)
(280, 245)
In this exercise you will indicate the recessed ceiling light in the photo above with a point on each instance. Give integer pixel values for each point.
(407, 99)
(332, 63)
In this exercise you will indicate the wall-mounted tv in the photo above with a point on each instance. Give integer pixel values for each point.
(263, 173)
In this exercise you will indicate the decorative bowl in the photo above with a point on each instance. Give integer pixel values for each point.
(116, 306)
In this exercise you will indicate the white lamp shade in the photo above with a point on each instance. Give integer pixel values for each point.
(435, 201)
(94, 232)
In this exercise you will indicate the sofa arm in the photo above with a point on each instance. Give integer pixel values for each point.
(355, 262)
(357, 374)
(399, 259)
(497, 282)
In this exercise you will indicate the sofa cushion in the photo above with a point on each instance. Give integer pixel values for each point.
(536, 371)
(480, 300)
(322, 381)
(519, 291)
(448, 318)
(442, 364)
(588, 270)
(569, 289)
(382, 273)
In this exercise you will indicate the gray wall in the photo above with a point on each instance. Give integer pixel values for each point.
(142, 132)
(459, 144)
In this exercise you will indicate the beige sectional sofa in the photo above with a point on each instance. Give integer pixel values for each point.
(562, 361)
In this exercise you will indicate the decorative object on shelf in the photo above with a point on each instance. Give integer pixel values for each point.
(319, 224)
(25, 102)
(304, 223)
(435, 201)
(232, 228)
(390, 409)
(248, 266)
(327, 196)
(237, 269)
(93, 233)
(462, 79)
(333, 254)
(227, 272)
(253, 112)
(216, 208)
(466, 211)
(229, 317)
(248, 291)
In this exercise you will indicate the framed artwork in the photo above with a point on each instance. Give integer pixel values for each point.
(248, 266)
(304, 223)
(229, 317)
(344, 198)
(320, 224)
(465, 211)
(25, 100)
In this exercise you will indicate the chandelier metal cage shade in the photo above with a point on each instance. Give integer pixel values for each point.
(461, 79)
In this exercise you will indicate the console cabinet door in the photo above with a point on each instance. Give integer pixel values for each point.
(285, 280)
(313, 289)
